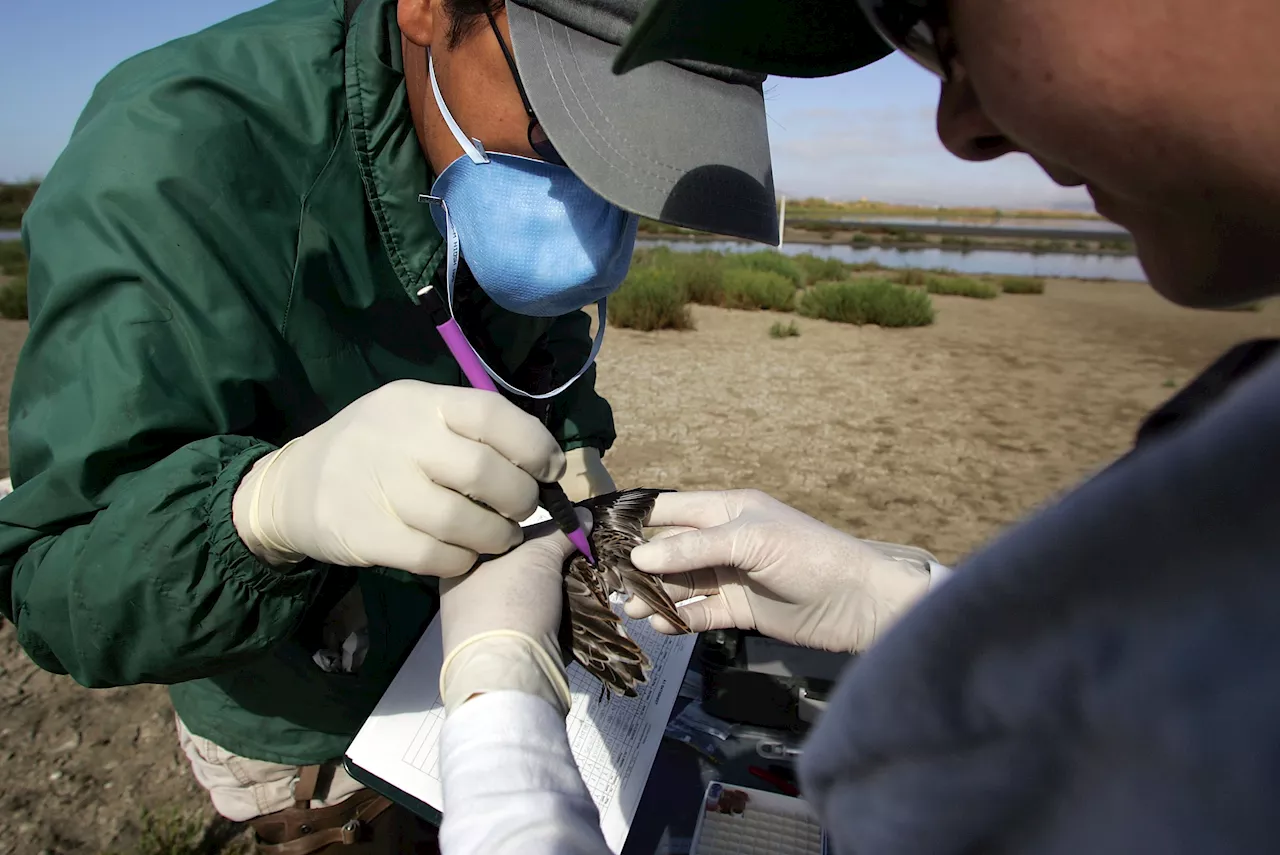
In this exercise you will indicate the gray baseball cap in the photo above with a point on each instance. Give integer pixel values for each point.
(681, 142)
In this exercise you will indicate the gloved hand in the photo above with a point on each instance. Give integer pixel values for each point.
(765, 566)
(396, 480)
(500, 622)
(584, 475)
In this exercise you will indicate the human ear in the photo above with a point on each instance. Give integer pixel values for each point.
(417, 20)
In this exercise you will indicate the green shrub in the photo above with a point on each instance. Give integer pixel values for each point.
(864, 266)
(652, 256)
(13, 261)
(653, 227)
(780, 330)
(757, 289)
(769, 262)
(13, 300)
(701, 275)
(1022, 285)
(868, 301)
(861, 239)
(650, 299)
(912, 276)
(14, 200)
(820, 269)
(961, 286)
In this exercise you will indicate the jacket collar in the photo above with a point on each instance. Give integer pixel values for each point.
(1227, 372)
(392, 166)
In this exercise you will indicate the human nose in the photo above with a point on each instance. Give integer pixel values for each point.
(963, 126)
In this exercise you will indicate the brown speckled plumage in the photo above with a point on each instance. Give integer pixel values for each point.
(598, 640)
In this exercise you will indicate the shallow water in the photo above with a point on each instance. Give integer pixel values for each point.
(1002, 223)
(1054, 265)
(1050, 265)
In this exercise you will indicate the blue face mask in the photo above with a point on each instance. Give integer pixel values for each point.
(536, 238)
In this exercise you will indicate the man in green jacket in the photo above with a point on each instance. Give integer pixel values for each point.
(242, 455)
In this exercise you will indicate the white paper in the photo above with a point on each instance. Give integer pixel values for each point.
(540, 515)
(614, 740)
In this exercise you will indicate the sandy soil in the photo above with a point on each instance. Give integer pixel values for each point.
(935, 436)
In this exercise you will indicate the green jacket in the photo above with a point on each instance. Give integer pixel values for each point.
(225, 255)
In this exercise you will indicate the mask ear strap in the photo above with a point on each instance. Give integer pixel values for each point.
(474, 148)
(601, 307)
(452, 253)
(602, 310)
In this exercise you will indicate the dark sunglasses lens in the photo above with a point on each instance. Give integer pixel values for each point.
(542, 145)
(909, 25)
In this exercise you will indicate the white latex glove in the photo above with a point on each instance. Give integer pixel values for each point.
(396, 480)
(584, 475)
(765, 566)
(500, 623)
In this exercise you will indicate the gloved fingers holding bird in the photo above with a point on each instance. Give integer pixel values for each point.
(748, 561)
(715, 560)
(500, 623)
(512, 622)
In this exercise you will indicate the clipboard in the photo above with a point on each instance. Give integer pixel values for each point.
(614, 739)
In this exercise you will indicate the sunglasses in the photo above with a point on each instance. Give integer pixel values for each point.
(538, 139)
(912, 26)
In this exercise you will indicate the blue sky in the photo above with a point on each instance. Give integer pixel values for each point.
(865, 134)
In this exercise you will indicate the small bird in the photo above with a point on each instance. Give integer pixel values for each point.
(598, 640)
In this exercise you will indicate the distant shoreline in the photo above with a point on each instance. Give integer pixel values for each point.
(16, 196)
(862, 240)
(823, 208)
(905, 239)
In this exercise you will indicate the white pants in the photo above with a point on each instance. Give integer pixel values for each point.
(242, 789)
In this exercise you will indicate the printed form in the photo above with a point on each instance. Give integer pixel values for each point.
(614, 739)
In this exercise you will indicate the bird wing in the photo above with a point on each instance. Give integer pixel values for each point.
(600, 644)
(620, 518)
(651, 592)
(624, 511)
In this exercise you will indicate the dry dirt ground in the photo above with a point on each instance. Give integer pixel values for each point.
(935, 436)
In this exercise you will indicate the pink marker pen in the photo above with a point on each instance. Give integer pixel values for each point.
(551, 495)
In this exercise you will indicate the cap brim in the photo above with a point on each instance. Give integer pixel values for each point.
(663, 141)
(789, 38)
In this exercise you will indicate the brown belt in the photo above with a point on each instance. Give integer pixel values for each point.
(301, 829)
